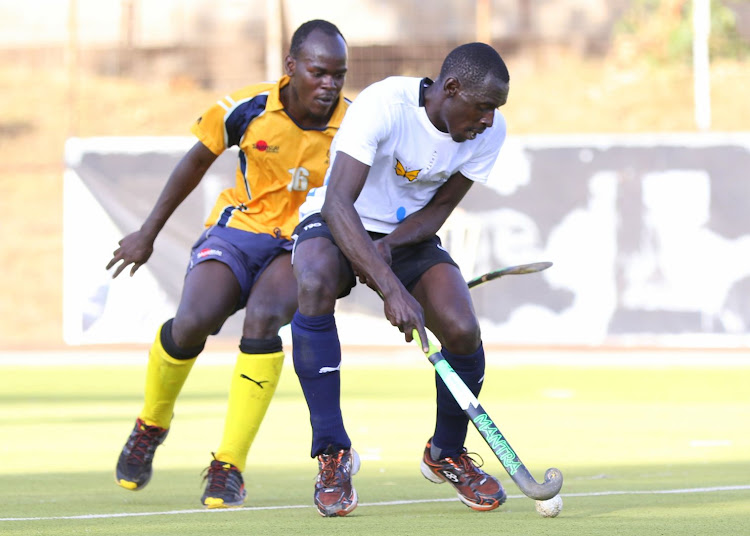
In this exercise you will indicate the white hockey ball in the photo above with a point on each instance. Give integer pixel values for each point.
(550, 507)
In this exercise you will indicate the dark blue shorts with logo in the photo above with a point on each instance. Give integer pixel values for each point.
(247, 254)
(407, 262)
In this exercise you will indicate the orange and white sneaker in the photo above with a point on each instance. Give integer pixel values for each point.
(475, 488)
(334, 493)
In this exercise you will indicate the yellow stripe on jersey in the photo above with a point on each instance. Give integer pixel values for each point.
(278, 161)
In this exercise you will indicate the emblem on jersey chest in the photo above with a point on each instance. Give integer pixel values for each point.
(263, 147)
(401, 171)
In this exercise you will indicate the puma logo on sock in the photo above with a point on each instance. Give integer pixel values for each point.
(258, 383)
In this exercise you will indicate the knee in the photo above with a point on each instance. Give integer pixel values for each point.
(264, 322)
(462, 336)
(316, 291)
(192, 329)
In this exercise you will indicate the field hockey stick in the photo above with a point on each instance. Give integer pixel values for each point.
(553, 478)
(509, 270)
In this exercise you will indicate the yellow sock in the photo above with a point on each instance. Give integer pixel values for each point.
(165, 376)
(254, 382)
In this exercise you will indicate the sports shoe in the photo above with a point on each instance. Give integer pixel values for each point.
(334, 493)
(475, 488)
(225, 487)
(134, 465)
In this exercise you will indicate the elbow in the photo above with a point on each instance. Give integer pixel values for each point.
(325, 210)
(325, 213)
(328, 209)
(337, 207)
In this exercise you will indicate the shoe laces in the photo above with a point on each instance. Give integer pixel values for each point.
(144, 442)
(330, 475)
(218, 475)
(468, 465)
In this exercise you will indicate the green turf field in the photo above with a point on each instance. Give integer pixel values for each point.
(655, 449)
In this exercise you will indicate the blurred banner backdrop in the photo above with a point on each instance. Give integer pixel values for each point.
(223, 44)
(649, 242)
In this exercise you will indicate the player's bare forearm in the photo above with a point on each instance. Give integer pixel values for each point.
(401, 309)
(345, 183)
(347, 178)
(136, 248)
(356, 245)
(185, 177)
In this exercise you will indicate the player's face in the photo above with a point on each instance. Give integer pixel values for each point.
(317, 75)
(472, 110)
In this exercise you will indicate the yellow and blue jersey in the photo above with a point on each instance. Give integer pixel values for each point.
(279, 162)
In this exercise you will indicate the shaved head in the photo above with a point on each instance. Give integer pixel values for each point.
(472, 63)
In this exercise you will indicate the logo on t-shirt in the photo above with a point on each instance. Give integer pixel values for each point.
(262, 146)
(401, 171)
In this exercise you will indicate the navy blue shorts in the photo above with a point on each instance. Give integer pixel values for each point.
(407, 262)
(247, 254)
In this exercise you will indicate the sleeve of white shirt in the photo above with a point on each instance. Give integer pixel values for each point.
(366, 122)
(479, 167)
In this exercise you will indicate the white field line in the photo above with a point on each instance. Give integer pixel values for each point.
(386, 503)
(405, 357)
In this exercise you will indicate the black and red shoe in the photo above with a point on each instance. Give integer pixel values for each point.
(134, 469)
(225, 487)
(475, 488)
(334, 493)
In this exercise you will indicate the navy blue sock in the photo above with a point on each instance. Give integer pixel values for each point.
(316, 352)
(451, 422)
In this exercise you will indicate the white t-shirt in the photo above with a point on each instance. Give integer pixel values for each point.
(409, 158)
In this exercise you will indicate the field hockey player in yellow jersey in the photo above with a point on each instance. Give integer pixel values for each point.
(242, 259)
